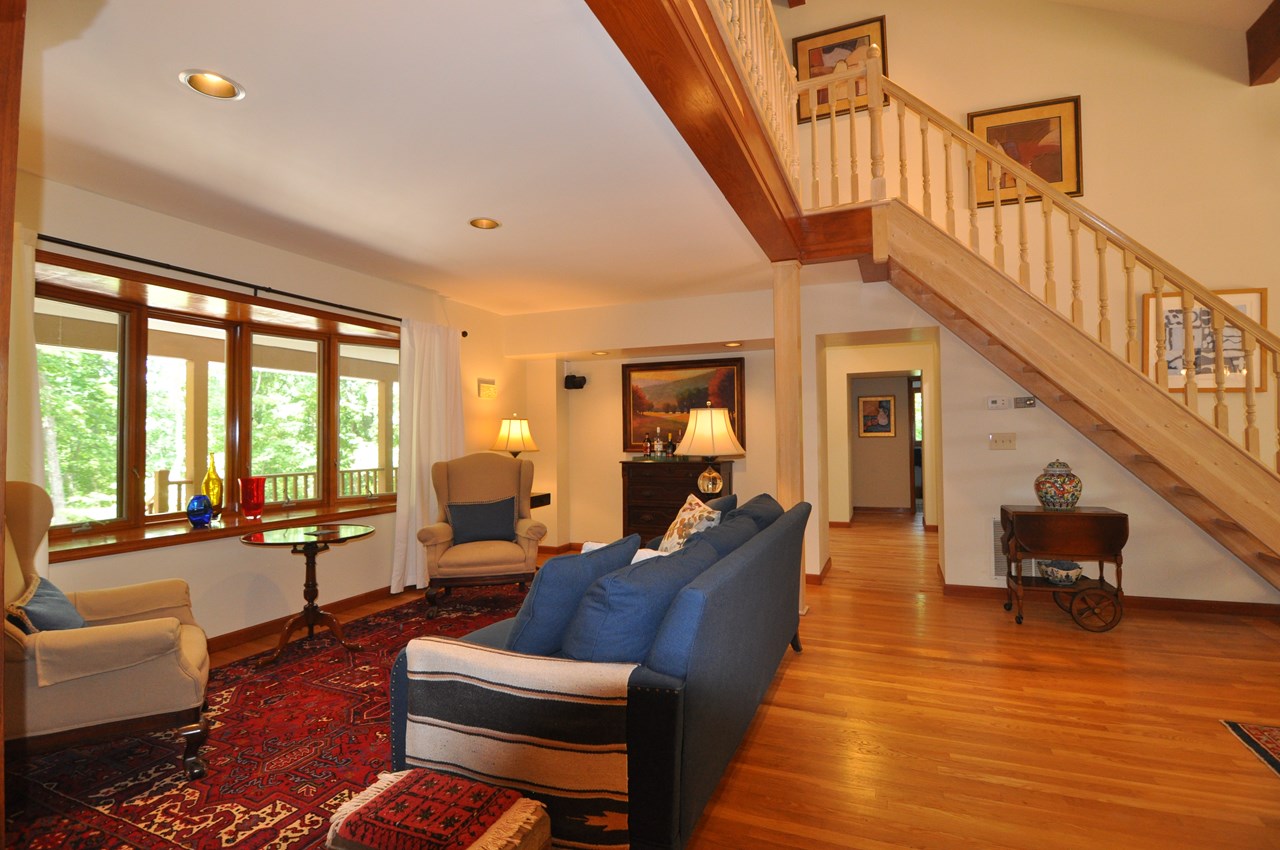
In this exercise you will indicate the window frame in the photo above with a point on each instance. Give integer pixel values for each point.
(138, 296)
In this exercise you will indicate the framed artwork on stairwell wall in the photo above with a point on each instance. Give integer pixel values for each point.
(816, 55)
(1043, 137)
(1168, 321)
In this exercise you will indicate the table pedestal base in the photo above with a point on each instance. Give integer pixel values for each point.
(311, 615)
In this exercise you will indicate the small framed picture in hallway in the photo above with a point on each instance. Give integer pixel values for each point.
(875, 416)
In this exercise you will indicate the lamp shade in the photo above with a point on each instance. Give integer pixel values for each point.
(710, 434)
(514, 437)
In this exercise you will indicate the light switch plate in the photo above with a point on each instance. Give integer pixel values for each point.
(1003, 442)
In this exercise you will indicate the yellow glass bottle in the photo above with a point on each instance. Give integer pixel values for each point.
(212, 486)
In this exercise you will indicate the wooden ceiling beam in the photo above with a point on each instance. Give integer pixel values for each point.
(1263, 40)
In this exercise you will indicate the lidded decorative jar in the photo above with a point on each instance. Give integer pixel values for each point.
(1058, 488)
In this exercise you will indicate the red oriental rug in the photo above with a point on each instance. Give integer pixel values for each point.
(290, 744)
(1264, 741)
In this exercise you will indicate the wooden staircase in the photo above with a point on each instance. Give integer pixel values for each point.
(1220, 488)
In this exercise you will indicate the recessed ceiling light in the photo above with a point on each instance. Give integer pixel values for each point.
(733, 345)
(212, 85)
(485, 223)
(600, 353)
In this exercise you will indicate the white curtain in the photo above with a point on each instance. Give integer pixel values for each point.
(24, 454)
(430, 430)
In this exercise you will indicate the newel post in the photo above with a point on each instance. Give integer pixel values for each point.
(875, 110)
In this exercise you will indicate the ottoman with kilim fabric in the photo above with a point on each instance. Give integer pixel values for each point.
(423, 810)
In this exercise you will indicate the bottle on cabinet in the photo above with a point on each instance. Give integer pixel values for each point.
(648, 445)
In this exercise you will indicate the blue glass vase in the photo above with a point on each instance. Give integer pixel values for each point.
(200, 511)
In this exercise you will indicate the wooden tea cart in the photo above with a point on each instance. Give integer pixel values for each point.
(1078, 534)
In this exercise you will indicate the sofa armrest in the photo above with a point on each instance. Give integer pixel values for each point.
(435, 534)
(530, 529)
(146, 601)
(67, 654)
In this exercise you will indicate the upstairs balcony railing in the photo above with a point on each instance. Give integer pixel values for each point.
(1154, 318)
(172, 494)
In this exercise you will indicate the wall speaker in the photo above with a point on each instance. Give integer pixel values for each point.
(575, 382)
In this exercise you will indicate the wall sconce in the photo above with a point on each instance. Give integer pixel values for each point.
(514, 437)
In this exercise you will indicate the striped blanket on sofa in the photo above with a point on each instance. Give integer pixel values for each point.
(553, 729)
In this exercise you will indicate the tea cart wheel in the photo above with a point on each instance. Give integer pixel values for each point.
(1096, 610)
(1063, 598)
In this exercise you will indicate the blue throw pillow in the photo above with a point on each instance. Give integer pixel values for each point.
(472, 521)
(47, 610)
(728, 535)
(723, 504)
(620, 613)
(764, 509)
(557, 590)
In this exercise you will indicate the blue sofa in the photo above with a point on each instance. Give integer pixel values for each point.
(713, 658)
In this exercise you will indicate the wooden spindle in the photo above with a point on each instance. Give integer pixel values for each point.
(815, 185)
(947, 169)
(841, 67)
(853, 144)
(1050, 286)
(1077, 305)
(875, 114)
(1190, 388)
(924, 168)
(1133, 350)
(1219, 373)
(1104, 316)
(1251, 436)
(1157, 328)
(1275, 370)
(997, 213)
(1024, 253)
(971, 158)
(904, 186)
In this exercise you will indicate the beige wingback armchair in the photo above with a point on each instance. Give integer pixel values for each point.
(140, 664)
(475, 479)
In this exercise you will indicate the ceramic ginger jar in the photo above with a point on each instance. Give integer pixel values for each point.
(1058, 488)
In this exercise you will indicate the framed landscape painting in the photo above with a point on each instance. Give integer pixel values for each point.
(816, 55)
(875, 416)
(1043, 137)
(1168, 320)
(657, 397)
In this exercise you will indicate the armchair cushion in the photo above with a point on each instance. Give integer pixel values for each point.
(621, 611)
(556, 592)
(168, 597)
(475, 521)
(73, 654)
(44, 608)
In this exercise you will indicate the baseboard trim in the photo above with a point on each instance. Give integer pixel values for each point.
(273, 627)
(928, 527)
(1148, 603)
(560, 550)
(834, 524)
(820, 576)
(868, 510)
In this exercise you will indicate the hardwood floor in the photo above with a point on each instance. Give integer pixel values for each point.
(914, 720)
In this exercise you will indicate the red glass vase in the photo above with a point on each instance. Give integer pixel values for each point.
(253, 493)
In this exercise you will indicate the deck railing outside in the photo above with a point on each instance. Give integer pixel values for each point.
(1154, 318)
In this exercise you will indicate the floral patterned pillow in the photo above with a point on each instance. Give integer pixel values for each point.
(693, 517)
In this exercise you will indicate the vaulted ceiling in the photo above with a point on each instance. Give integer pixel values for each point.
(372, 133)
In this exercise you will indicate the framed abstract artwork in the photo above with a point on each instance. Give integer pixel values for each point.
(1167, 320)
(816, 55)
(876, 417)
(657, 397)
(1043, 137)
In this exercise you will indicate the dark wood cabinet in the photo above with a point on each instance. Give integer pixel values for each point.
(653, 491)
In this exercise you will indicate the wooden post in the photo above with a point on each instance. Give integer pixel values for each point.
(924, 167)
(1190, 389)
(875, 114)
(853, 146)
(815, 188)
(831, 133)
(1250, 398)
(971, 159)
(997, 212)
(1024, 255)
(787, 389)
(1104, 316)
(951, 199)
(904, 190)
(1133, 351)
(1077, 305)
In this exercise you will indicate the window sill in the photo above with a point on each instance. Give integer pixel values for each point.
(75, 547)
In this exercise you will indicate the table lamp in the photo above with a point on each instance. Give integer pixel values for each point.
(514, 437)
(710, 434)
